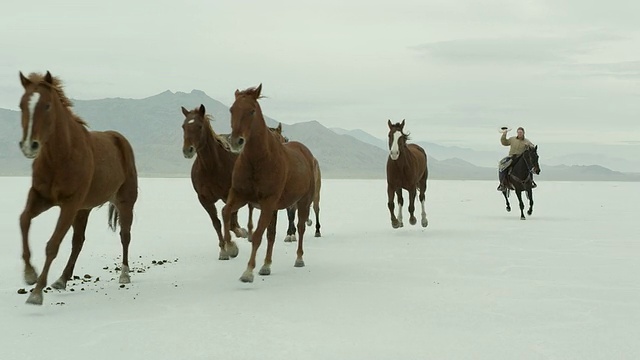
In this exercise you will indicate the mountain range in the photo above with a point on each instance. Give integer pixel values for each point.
(153, 126)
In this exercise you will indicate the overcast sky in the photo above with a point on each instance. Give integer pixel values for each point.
(456, 70)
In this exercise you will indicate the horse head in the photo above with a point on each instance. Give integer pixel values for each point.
(530, 156)
(36, 105)
(245, 113)
(397, 139)
(195, 125)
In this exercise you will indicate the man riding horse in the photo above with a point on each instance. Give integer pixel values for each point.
(518, 144)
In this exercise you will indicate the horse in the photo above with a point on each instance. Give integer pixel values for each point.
(269, 174)
(211, 170)
(406, 169)
(75, 169)
(291, 212)
(520, 178)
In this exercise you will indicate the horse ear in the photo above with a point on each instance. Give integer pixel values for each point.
(237, 93)
(389, 123)
(535, 148)
(48, 78)
(202, 110)
(25, 82)
(279, 128)
(184, 111)
(402, 123)
(258, 91)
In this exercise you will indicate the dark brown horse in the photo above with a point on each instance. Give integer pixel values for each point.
(211, 171)
(291, 212)
(75, 169)
(269, 174)
(520, 178)
(406, 169)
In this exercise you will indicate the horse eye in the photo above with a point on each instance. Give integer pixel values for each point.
(47, 107)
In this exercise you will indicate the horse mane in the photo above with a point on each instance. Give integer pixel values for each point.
(219, 138)
(406, 136)
(56, 86)
(251, 91)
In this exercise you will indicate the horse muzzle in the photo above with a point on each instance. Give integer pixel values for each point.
(30, 149)
(394, 155)
(536, 170)
(188, 152)
(236, 144)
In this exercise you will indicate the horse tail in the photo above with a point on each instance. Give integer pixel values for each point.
(114, 217)
(318, 179)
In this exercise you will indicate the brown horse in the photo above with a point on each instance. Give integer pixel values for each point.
(75, 169)
(211, 171)
(291, 212)
(406, 169)
(269, 174)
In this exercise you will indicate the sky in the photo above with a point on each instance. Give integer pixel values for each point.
(477, 283)
(567, 71)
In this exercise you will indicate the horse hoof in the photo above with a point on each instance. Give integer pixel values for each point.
(35, 298)
(290, 238)
(124, 279)
(318, 234)
(30, 276)
(508, 209)
(413, 220)
(400, 224)
(299, 263)
(223, 256)
(309, 222)
(523, 218)
(265, 270)
(396, 224)
(425, 222)
(241, 233)
(59, 284)
(529, 212)
(247, 277)
(231, 249)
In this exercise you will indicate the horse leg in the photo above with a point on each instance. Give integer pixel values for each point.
(400, 204)
(303, 215)
(266, 216)
(233, 204)
(530, 196)
(521, 203)
(390, 204)
(209, 206)
(236, 228)
(271, 239)
(250, 223)
(316, 210)
(79, 226)
(412, 206)
(35, 206)
(506, 199)
(291, 231)
(67, 215)
(125, 209)
(422, 197)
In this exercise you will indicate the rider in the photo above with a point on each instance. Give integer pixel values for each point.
(518, 144)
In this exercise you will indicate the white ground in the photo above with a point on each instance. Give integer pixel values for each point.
(478, 283)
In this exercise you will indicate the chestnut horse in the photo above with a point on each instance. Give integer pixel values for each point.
(75, 169)
(406, 169)
(269, 174)
(211, 171)
(291, 212)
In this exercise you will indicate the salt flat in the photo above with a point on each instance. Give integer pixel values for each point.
(478, 283)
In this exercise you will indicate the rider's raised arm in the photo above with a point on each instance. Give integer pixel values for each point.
(503, 139)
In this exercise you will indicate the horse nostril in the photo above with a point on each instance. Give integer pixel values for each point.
(240, 141)
(35, 145)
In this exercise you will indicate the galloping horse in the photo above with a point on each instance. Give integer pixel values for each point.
(406, 169)
(269, 174)
(211, 171)
(75, 169)
(520, 178)
(291, 212)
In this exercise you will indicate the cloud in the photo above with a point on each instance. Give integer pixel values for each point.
(514, 50)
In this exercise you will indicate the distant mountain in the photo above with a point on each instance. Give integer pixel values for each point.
(153, 126)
